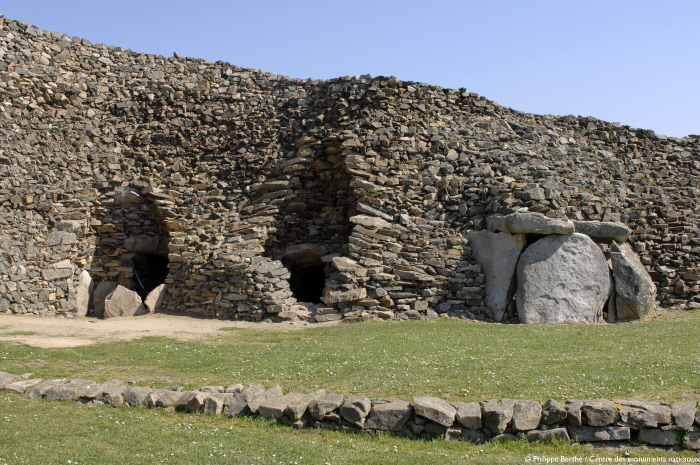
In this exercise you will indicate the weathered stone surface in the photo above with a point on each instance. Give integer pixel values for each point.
(102, 290)
(274, 408)
(84, 291)
(469, 415)
(155, 298)
(496, 415)
(435, 409)
(143, 244)
(541, 435)
(684, 414)
(334, 297)
(123, 302)
(19, 387)
(553, 412)
(296, 409)
(216, 402)
(58, 238)
(54, 274)
(306, 254)
(693, 442)
(658, 437)
(389, 415)
(635, 292)
(644, 414)
(319, 407)
(136, 395)
(192, 401)
(127, 196)
(498, 254)
(600, 412)
(573, 412)
(562, 279)
(526, 415)
(603, 231)
(268, 396)
(6, 378)
(163, 398)
(355, 408)
(594, 434)
(41, 388)
(73, 390)
(475, 436)
(531, 223)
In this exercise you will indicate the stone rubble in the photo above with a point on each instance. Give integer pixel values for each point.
(600, 420)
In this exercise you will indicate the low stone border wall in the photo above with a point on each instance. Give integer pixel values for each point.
(652, 423)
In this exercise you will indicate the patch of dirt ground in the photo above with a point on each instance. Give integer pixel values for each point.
(48, 332)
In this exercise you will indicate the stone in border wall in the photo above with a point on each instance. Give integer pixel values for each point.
(600, 420)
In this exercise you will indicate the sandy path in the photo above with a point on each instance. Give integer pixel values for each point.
(64, 332)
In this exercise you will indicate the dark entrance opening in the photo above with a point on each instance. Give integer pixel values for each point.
(150, 272)
(307, 282)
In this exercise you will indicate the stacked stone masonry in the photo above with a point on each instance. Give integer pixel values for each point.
(240, 187)
(600, 420)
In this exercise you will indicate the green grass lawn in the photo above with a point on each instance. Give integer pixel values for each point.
(446, 358)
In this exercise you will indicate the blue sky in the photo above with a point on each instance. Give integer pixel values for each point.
(634, 62)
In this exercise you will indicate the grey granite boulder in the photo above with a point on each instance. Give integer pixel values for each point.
(123, 302)
(469, 415)
(498, 254)
(658, 437)
(102, 290)
(553, 412)
(603, 231)
(562, 279)
(73, 390)
(19, 387)
(645, 414)
(41, 388)
(600, 412)
(635, 292)
(496, 415)
(155, 298)
(530, 223)
(295, 410)
(136, 395)
(355, 408)
(7, 378)
(541, 435)
(435, 409)
(192, 401)
(389, 414)
(163, 398)
(264, 397)
(526, 415)
(274, 408)
(216, 402)
(320, 407)
(684, 414)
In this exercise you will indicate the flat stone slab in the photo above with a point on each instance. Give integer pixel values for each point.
(435, 409)
(275, 408)
(595, 434)
(18, 387)
(541, 435)
(603, 231)
(531, 223)
(645, 414)
(562, 279)
(6, 378)
(658, 437)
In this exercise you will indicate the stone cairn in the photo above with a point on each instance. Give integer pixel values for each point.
(600, 420)
(229, 191)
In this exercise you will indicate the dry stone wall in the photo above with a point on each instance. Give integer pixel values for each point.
(619, 422)
(357, 193)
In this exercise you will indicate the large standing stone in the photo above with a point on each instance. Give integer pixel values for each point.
(102, 290)
(123, 302)
(498, 254)
(155, 298)
(83, 293)
(562, 279)
(530, 223)
(635, 292)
